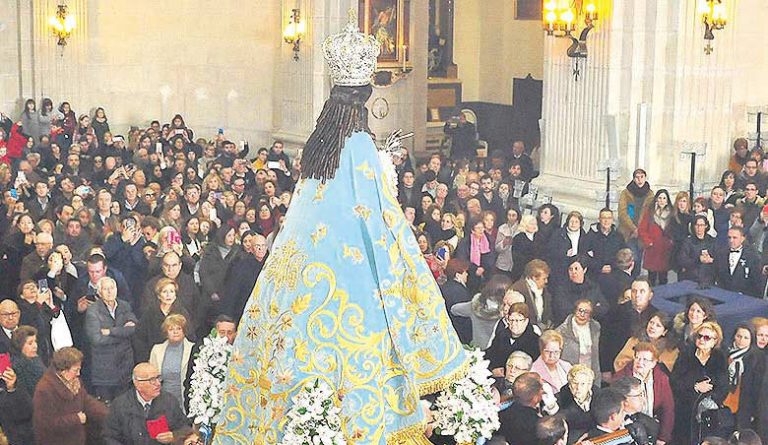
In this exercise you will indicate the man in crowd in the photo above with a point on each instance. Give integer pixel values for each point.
(242, 274)
(738, 267)
(632, 201)
(518, 422)
(130, 412)
(32, 263)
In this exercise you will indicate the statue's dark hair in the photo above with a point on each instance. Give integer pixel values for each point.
(343, 113)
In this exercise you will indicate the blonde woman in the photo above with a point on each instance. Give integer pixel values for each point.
(171, 357)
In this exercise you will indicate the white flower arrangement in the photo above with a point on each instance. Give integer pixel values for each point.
(314, 417)
(206, 394)
(467, 410)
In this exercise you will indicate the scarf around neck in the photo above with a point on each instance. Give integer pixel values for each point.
(639, 192)
(477, 248)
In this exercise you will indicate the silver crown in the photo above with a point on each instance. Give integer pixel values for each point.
(351, 55)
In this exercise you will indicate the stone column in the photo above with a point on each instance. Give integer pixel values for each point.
(647, 72)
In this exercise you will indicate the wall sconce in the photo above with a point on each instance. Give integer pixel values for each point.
(560, 18)
(62, 24)
(714, 16)
(294, 31)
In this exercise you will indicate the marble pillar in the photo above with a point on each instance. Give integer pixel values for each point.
(647, 92)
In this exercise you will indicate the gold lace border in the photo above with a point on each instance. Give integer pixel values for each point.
(442, 383)
(412, 435)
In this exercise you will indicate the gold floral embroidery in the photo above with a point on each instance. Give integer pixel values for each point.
(284, 266)
(321, 230)
(362, 211)
(319, 192)
(367, 170)
(354, 253)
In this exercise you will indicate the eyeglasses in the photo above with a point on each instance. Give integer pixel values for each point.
(517, 320)
(9, 314)
(640, 394)
(153, 380)
(583, 311)
(706, 337)
(551, 352)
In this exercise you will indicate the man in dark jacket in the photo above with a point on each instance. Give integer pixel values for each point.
(518, 422)
(463, 137)
(602, 242)
(242, 274)
(187, 293)
(125, 252)
(623, 272)
(129, 413)
(738, 268)
(454, 291)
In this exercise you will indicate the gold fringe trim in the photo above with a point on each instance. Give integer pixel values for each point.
(442, 383)
(412, 435)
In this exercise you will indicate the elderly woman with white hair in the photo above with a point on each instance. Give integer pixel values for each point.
(109, 326)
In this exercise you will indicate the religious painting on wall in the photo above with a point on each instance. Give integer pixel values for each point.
(528, 10)
(388, 21)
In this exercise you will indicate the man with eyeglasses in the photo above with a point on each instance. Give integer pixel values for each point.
(653, 384)
(751, 173)
(751, 202)
(242, 274)
(9, 321)
(643, 428)
(130, 412)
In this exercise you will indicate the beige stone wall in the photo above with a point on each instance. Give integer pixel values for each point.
(212, 62)
(492, 48)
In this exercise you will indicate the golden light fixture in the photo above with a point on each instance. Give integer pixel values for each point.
(714, 16)
(560, 18)
(62, 24)
(294, 32)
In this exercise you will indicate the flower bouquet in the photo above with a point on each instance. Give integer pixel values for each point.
(314, 417)
(206, 394)
(467, 410)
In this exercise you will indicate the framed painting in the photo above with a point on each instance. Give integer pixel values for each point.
(389, 22)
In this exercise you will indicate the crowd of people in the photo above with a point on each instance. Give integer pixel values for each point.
(120, 253)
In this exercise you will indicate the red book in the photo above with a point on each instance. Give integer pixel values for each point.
(5, 362)
(157, 426)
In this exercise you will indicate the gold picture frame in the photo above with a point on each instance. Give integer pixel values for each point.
(389, 22)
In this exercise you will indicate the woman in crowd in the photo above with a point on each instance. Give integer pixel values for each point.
(514, 332)
(432, 222)
(746, 369)
(37, 310)
(99, 123)
(504, 237)
(171, 357)
(697, 311)
(700, 371)
(448, 232)
(695, 258)
(19, 243)
(730, 187)
(575, 399)
(652, 232)
(214, 264)
(489, 222)
(525, 245)
(761, 332)
(425, 246)
(565, 244)
(484, 310)
(190, 237)
(721, 214)
(478, 250)
(171, 215)
(550, 366)
(110, 325)
(83, 127)
(266, 221)
(45, 119)
(64, 412)
(577, 287)
(68, 123)
(581, 338)
(658, 332)
(28, 119)
(149, 331)
(548, 218)
(679, 226)
(27, 364)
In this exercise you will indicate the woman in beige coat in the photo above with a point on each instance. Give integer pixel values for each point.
(171, 357)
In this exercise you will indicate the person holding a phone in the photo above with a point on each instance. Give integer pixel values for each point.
(701, 371)
(15, 409)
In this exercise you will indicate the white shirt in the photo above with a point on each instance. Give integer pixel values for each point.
(733, 259)
(538, 298)
(8, 332)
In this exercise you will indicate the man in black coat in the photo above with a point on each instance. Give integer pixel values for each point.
(129, 413)
(738, 268)
(489, 200)
(408, 195)
(518, 422)
(607, 411)
(619, 279)
(624, 320)
(10, 314)
(643, 428)
(463, 137)
(242, 274)
(602, 242)
(225, 327)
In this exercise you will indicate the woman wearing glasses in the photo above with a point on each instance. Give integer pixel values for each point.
(514, 332)
(582, 338)
(552, 369)
(700, 371)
